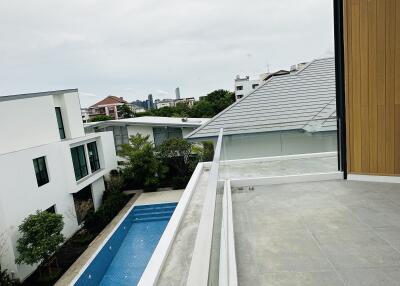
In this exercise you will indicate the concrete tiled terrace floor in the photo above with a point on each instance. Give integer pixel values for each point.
(246, 170)
(329, 233)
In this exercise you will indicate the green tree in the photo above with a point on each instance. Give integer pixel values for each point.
(179, 156)
(141, 164)
(98, 118)
(220, 99)
(41, 237)
(126, 111)
(203, 109)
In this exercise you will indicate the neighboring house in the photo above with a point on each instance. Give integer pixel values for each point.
(244, 86)
(164, 103)
(158, 128)
(85, 115)
(47, 163)
(188, 100)
(108, 106)
(300, 105)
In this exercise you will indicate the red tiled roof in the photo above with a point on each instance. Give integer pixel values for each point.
(109, 100)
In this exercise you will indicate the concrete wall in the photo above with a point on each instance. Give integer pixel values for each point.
(144, 130)
(37, 116)
(19, 116)
(186, 131)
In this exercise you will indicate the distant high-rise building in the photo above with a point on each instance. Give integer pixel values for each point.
(177, 93)
(150, 103)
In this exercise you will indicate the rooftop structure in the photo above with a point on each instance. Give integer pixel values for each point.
(286, 102)
(158, 128)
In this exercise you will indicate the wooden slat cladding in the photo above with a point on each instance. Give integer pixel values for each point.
(372, 86)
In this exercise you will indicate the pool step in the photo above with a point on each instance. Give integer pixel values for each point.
(155, 206)
(153, 209)
(153, 214)
(151, 219)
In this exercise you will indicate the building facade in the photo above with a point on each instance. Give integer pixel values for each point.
(108, 106)
(244, 86)
(51, 166)
(157, 128)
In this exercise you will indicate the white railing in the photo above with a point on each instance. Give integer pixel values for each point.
(227, 254)
(157, 260)
(200, 271)
(200, 264)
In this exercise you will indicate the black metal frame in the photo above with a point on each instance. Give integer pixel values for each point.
(340, 85)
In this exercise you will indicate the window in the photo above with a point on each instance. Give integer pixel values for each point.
(240, 87)
(42, 177)
(79, 161)
(239, 96)
(163, 133)
(255, 85)
(93, 156)
(120, 135)
(60, 123)
(51, 209)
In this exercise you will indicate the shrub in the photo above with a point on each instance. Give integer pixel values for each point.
(142, 166)
(41, 237)
(208, 151)
(115, 184)
(112, 204)
(5, 279)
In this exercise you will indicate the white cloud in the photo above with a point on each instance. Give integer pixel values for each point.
(137, 47)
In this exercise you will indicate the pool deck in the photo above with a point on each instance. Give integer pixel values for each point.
(138, 199)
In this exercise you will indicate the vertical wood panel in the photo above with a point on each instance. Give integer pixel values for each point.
(356, 104)
(381, 58)
(397, 91)
(372, 75)
(389, 77)
(364, 86)
(373, 102)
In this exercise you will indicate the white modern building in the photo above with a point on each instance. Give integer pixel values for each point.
(158, 128)
(47, 163)
(245, 85)
(164, 103)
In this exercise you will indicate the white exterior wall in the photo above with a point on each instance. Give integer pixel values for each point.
(33, 134)
(24, 197)
(31, 113)
(247, 87)
(187, 130)
(144, 130)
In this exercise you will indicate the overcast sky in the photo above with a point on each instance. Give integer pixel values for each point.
(133, 48)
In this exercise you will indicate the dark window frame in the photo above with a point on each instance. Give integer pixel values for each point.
(60, 123)
(80, 169)
(94, 159)
(239, 87)
(51, 209)
(42, 176)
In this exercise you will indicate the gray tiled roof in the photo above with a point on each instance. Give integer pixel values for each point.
(284, 102)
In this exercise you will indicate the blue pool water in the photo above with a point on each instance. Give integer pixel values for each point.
(124, 257)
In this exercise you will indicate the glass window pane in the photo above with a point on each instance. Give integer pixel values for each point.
(39, 165)
(79, 161)
(60, 123)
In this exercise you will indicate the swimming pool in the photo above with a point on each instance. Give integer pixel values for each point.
(124, 256)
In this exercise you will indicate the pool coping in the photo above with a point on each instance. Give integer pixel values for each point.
(79, 266)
